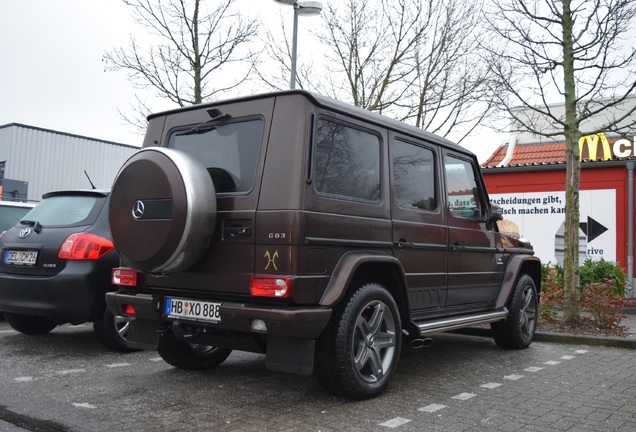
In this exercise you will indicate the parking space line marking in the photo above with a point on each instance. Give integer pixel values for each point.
(84, 405)
(23, 379)
(8, 331)
(156, 359)
(513, 377)
(398, 421)
(432, 408)
(464, 396)
(393, 423)
(70, 371)
(117, 365)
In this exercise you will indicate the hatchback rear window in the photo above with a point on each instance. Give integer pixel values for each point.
(64, 211)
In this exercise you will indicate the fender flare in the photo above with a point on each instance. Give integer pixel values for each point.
(347, 267)
(512, 273)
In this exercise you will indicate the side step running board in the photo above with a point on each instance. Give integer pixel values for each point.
(460, 321)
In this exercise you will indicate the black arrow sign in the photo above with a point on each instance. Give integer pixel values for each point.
(592, 229)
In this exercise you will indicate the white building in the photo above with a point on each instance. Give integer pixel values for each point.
(49, 160)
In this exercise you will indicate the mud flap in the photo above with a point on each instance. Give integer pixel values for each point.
(290, 355)
(143, 334)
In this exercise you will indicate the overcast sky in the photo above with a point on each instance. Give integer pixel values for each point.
(51, 70)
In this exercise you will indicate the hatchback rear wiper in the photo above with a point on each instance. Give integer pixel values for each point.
(208, 125)
(37, 227)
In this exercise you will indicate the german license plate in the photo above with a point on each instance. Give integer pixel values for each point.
(192, 309)
(14, 257)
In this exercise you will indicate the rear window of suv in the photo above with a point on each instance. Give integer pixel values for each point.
(65, 210)
(229, 151)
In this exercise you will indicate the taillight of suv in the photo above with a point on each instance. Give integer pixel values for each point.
(124, 276)
(263, 286)
(84, 246)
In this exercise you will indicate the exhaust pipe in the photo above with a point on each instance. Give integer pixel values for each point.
(421, 343)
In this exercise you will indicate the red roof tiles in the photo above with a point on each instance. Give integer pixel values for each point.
(529, 154)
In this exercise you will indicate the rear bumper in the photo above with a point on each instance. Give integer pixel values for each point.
(286, 322)
(74, 295)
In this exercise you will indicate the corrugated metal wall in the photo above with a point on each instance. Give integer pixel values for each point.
(50, 160)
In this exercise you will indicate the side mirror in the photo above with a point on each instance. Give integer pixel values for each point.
(494, 213)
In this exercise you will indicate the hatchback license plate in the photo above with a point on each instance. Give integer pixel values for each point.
(192, 309)
(20, 257)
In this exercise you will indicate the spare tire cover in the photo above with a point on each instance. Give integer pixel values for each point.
(162, 210)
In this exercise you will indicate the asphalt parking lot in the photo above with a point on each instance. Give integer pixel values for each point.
(67, 381)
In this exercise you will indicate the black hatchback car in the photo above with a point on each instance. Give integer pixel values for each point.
(56, 266)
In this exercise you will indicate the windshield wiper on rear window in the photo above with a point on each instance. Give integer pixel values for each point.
(37, 227)
(207, 125)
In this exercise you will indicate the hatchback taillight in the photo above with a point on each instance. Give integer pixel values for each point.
(84, 246)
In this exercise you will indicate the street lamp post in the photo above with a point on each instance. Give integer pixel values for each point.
(307, 8)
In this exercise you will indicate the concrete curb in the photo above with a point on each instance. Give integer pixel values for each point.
(613, 342)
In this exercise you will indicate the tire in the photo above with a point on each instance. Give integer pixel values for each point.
(517, 331)
(112, 331)
(357, 355)
(184, 355)
(166, 224)
(29, 325)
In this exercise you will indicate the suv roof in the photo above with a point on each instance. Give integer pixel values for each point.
(333, 105)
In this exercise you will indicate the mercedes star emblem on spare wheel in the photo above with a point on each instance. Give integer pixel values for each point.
(25, 232)
(138, 209)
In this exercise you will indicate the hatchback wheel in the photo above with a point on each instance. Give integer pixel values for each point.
(112, 331)
(30, 325)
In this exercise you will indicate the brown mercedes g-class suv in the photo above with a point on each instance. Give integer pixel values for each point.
(318, 233)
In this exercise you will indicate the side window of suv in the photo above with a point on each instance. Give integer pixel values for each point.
(462, 194)
(346, 162)
(414, 176)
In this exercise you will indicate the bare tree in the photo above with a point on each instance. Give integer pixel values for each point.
(279, 50)
(189, 48)
(448, 92)
(413, 60)
(572, 50)
(371, 49)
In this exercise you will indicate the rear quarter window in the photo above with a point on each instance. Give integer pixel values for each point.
(346, 162)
